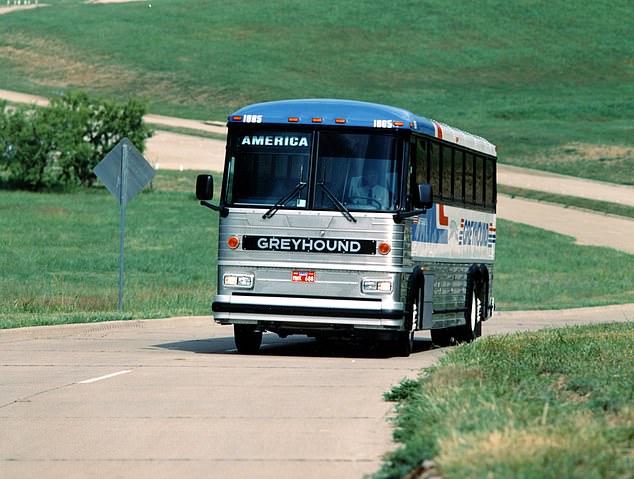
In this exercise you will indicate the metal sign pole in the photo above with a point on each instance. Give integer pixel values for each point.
(124, 172)
(122, 201)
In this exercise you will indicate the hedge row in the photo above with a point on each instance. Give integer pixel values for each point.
(58, 146)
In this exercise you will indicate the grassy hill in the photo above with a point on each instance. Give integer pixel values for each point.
(552, 83)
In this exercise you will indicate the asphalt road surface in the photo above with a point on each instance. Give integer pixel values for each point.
(172, 398)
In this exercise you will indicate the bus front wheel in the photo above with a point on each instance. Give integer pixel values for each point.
(403, 345)
(247, 338)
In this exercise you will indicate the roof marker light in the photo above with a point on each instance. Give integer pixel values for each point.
(341, 121)
(318, 120)
(236, 117)
(293, 119)
(398, 123)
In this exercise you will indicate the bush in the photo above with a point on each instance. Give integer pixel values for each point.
(60, 145)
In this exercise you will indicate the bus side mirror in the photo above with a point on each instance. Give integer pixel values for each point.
(424, 196)
(205, 192)
(204, 187)
(423, 199)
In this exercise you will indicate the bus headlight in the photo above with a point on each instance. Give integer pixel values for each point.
(381, 286)
(238, 281)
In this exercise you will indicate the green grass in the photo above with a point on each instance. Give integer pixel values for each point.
(549, 404)
(554, 91)
(60, 255)
(60, 259)
(538, 269)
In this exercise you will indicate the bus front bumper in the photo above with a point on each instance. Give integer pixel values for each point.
(360, 313)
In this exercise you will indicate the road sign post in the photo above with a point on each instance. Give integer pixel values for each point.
(124, 171)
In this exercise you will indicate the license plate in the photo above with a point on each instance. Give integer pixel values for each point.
(303, 277)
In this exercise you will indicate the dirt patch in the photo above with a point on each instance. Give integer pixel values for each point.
(54, 61)
(597, 152)
(15, 8)
(113, 1)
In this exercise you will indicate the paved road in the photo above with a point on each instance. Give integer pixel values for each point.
(183, 403)
(172, 398)
(586, 227)
(565, 185)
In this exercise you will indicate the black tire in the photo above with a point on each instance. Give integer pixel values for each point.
(474, 313)
(442, 337)
(403, 345)
(247, 338)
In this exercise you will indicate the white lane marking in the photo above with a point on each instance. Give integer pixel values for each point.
(107, 376)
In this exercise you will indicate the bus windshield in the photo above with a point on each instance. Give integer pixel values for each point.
(358, 169)
(350, 171)
(266, 167)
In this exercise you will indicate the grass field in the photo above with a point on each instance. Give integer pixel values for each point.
(553, 90)
(543, 405)
(60, 256)
(60, 259)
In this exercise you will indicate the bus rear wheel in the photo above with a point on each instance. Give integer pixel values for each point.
(474, 313)
(442, 337)
(247, 338)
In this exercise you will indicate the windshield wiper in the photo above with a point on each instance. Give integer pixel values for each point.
(283, 200)
(340, 206)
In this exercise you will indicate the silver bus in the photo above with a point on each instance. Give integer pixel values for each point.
(345, 218)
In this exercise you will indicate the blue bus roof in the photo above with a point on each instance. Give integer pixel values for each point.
(356, 114)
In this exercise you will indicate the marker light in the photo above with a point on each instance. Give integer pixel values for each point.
(317, 120)
(238, 280)
(293, 119)
(398, 123)
(384, 248)
(340, 121)
(237, 118)
(376, 286)
(233, 242)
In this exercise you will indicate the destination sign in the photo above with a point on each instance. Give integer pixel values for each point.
(308, 245)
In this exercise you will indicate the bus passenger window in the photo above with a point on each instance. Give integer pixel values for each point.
(469, 185)
(447, 172)
(490, 183)
(479, 181)
(422, 172)
(434, 170)
(458, 176)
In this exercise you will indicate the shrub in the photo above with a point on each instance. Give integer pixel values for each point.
(60, 145)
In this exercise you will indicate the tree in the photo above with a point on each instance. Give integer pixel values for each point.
(60, 145)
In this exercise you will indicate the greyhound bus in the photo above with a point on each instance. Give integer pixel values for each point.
(349, 219)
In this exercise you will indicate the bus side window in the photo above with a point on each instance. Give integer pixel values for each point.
(434, 169)
(479, 181)
(447, 172)
(422, 172)
(490, 183)
(469, 185)
(458, 176)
